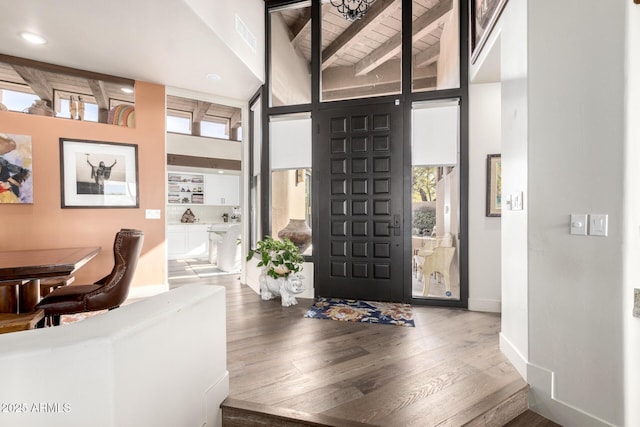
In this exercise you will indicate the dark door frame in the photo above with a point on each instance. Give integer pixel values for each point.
(406, 98)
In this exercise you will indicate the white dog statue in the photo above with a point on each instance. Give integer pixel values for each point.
(286, 287)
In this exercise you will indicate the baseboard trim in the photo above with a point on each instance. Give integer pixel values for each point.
(543, 400)
(485, 305)
(516, 358)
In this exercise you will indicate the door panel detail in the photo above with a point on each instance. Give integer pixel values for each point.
(360, 241)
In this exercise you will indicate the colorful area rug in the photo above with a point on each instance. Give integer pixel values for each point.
(383, 313)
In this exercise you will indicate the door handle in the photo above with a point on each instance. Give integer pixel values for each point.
(396, 225)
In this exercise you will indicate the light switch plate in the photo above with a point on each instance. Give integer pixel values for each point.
(516, 201)
(598, 224)
(578, 224)
(152, 214)
(636, 302)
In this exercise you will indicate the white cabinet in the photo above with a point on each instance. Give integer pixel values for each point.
(222, 190)
(188, 241)
(176, 241)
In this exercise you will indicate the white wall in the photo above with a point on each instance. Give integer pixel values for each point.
(220, 16)
(575, 158)
(199, 146)
(632, 213)
(144, 364)
(484, 232)
(514, 338)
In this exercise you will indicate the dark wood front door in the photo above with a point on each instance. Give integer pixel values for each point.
(361, 199)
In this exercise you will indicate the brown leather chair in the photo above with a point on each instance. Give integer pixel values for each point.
(107, 293)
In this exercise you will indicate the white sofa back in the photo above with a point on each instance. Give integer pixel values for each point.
(156, 362)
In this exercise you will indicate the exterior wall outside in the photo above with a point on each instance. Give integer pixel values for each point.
(44, 224)
(631, 248)
(484, 232)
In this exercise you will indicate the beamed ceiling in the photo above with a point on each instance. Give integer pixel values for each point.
(362, 57)
(44, 80)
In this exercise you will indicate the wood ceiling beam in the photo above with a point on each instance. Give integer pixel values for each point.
(427, 56)
(380, 10)
(422, 26)
(203, 162)
(99, 93)
(37, 81)
(59, 69)
(200, 110)
(236, 120)
(302, 28)
(344, 78)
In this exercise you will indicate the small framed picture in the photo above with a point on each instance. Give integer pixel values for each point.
(16, 169)
(494, 185)
(96, 174)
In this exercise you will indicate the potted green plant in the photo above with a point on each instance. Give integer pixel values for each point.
(280, 258)
(281, 262)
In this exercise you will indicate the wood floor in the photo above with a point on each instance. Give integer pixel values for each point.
(287, 370)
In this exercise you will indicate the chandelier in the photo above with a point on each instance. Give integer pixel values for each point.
(352, 9)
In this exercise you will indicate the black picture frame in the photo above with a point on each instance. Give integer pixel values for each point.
(98, 174)
(483, 16)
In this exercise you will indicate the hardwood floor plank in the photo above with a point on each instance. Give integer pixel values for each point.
(447, 371)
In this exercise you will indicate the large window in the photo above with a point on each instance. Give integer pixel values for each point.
(290, 54)
(435, 45)
(435, 200)
(179, 121)
(69, 103)
(290, 152)
(362, 58)
(15, 100)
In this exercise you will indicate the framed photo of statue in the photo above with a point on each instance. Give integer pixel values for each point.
(16, 169)
(97, 174)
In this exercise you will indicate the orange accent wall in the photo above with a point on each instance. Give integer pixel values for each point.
(44, 224)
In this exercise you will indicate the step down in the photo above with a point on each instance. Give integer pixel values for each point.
(240, 413)
(495, 410)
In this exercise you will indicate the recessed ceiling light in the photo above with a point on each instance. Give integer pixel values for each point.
(126, 89)
(32, 38)
(220, 171)
(214, 76)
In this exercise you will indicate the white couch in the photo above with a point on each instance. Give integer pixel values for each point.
(157, 362)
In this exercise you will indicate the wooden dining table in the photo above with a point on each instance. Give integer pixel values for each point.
(23, 269)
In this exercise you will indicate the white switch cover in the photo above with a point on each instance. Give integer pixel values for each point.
(598, 225)
(152, 214)
(578, 224)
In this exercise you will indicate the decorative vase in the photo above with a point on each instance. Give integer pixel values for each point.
(298, 232)
(40, 108)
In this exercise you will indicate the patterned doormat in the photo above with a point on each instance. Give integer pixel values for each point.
(383, 313)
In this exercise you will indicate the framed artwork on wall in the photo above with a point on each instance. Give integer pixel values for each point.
(16, 169)
(96, 174)
(494, 185)
(484, 14)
